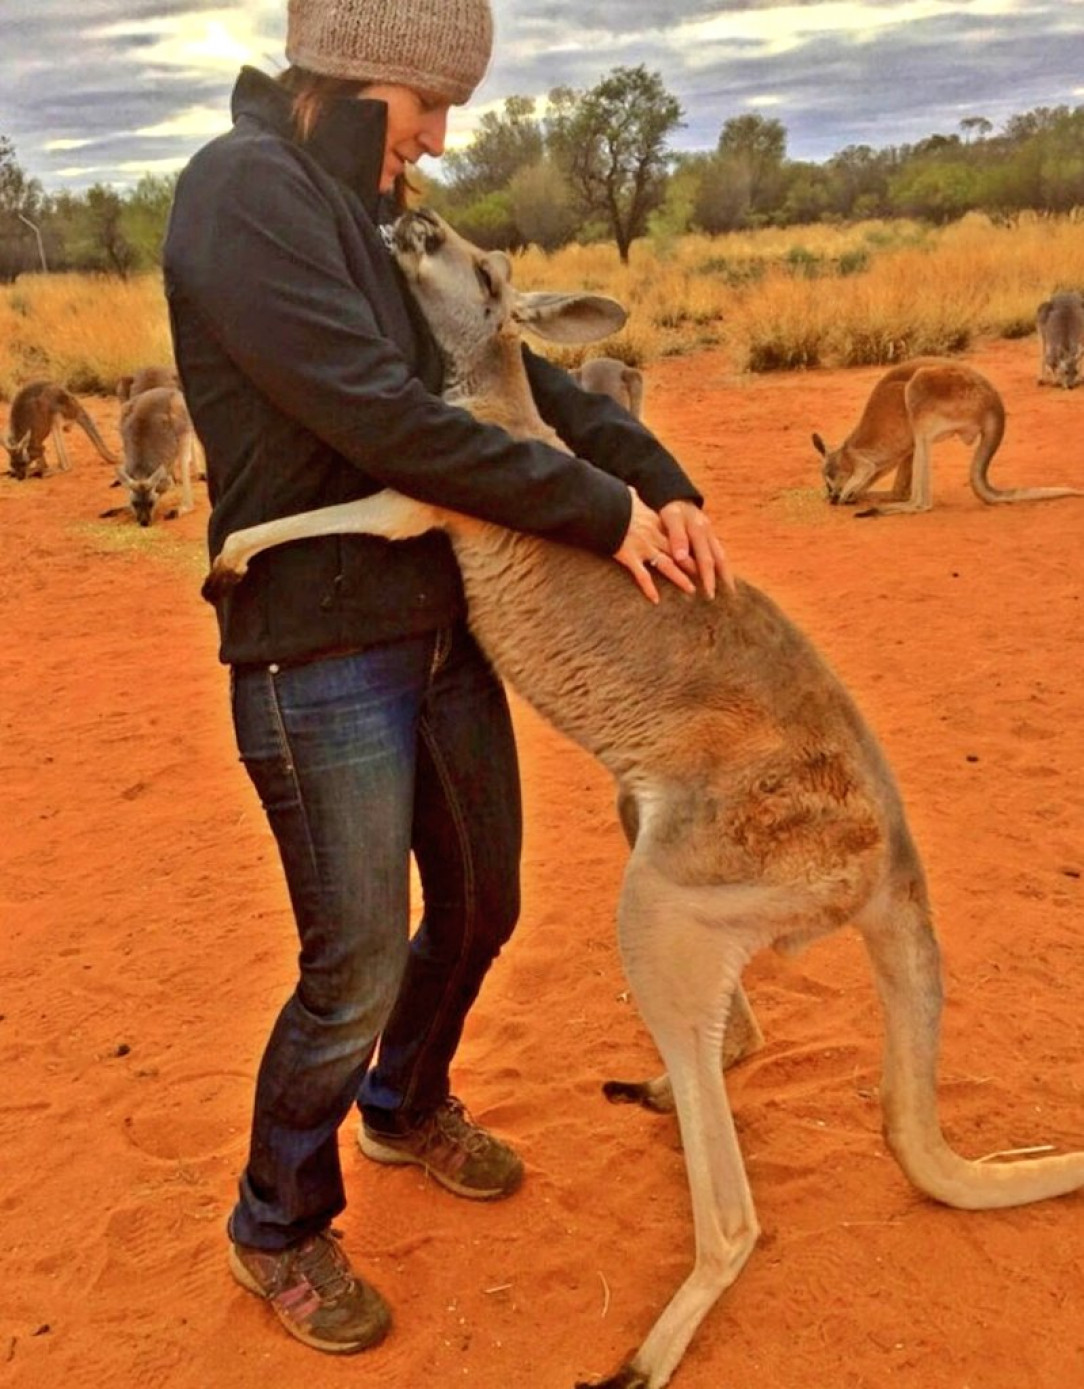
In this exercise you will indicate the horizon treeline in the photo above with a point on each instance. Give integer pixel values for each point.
(598, 166)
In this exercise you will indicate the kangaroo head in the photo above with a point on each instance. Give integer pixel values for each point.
(143, 492)
(834, 470)
(469, 300)
(18, 451)
(846, 472)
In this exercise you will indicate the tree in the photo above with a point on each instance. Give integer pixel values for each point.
(938, 190)
(98, 240)
(755, 147)
(723, 198)
(542, 206)
(858, 180)
(144, 218)
(489, 222)
(975, 125)
(20, 216)
(611, 144)
(503, 144)
(806, 194)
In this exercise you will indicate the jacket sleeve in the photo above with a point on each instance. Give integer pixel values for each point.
(254, 244)
(597, 428)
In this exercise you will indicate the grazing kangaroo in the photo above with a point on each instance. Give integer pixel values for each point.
(759, 808)
(911, 408)
(614, 378)
(1061, 339)
(37, 411)
(146, 379)
(158, 444)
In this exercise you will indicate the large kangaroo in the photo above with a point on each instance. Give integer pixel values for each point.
(759, 807)
(37, 411)
(911, 408)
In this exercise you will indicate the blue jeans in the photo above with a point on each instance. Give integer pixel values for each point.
(359, 760)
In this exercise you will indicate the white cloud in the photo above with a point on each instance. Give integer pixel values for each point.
(214, 41)
(136, 168)
(198, 122)
(777, 29)
(61, 145)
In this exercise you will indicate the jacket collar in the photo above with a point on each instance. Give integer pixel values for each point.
(348, 143)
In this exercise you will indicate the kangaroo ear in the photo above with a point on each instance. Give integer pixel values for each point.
(820, 446)
(568, 318)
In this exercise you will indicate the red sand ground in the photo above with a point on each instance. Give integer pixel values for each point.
(147, 945)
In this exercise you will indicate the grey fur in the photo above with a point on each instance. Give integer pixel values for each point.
(1061, 339)
(158, 445)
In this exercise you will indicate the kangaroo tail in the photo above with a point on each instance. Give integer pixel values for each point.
(86, 424)
(906, 965)
(993, 431)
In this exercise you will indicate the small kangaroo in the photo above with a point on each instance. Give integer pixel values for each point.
(911, 408)
(1061, 339)
(759, 808)
(145, 379)
(609, 376)
(41, 408)
(158, 444)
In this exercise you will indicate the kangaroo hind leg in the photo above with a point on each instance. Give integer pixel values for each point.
(743, 1035)
(683, 951)
(63, 462)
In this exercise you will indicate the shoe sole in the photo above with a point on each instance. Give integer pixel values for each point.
(395, 1157)
(249, 1283)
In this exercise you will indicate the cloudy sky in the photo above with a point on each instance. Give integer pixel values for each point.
(106, 90)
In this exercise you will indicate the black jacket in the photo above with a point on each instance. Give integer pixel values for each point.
(312, 380)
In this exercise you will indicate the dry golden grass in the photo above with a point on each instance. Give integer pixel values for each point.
(870, 293)
(867, 293)
(83, 330)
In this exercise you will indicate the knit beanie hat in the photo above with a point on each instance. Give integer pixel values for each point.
(438, 46)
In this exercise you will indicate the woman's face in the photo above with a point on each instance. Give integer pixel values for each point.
(417, 123)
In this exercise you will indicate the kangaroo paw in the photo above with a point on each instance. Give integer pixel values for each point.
(627, 1377)
(219, 582)
(649, 1094)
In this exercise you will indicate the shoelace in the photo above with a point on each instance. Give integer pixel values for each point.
(323, 1266)
(453, 1123)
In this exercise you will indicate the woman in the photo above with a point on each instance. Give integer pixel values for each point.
(369, 722)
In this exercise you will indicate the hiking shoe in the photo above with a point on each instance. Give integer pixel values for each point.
(454, 1151)
(314, 1293)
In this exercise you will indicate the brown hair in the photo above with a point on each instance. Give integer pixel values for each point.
(312, 94)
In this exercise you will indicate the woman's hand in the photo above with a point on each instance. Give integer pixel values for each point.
(695, 546)
(675, 542)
